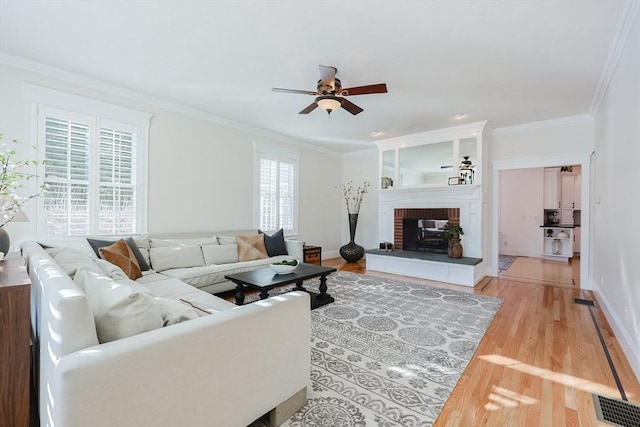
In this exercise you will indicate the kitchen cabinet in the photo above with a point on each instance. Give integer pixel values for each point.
(576, 240)
(558, 243)
(577, 192)
(551, 188)
(567, 191)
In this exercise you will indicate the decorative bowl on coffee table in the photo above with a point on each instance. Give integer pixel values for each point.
(284, 268)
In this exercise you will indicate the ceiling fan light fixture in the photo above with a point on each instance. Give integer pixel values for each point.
(458, 116)
(329, 103)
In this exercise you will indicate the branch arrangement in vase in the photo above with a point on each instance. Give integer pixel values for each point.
(13, 175)
(353, 197)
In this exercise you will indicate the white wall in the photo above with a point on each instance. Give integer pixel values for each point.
(521, 213)
(616, 218)
(536, 147)
(200, 173)
(358, 168)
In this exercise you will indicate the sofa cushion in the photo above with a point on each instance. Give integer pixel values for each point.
(220, 254)
(162, 285)
(112, 271)
(118, 309)
(226, 240)
(275, 243)
(165, 258)
(200, 277)
(174, 311)
(120, 254)
(97, 244)
(70, 259)
(162, 243)
(251, 247)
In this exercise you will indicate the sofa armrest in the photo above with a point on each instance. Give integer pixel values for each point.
(225, 369)
(295, 249)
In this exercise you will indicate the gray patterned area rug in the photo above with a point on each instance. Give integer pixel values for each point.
(388, 353)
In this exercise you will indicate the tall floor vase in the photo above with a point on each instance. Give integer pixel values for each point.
(352, 252)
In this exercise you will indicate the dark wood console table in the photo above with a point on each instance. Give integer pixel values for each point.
(15, 335)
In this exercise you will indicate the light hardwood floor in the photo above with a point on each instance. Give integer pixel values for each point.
(539, 361)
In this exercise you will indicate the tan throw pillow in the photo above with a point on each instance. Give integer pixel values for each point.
(251, 247)
(120, 254)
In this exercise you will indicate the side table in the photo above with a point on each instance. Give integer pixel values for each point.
(15, 335)
(312, 254)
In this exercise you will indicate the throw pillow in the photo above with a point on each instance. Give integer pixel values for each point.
(251, 247)
(275, 243)
(121, 255)
(70, 260)
(162, 243)
(166, 258)
(118, 309)
(97, 244)
(220, 254)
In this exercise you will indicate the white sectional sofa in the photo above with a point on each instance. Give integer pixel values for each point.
(217, 364)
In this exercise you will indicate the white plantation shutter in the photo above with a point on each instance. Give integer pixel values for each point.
(277, 185)
(66, 201)
(117, 203)
(92, 172)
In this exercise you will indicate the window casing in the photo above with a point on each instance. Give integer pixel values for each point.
(95, 166)
(276, 189)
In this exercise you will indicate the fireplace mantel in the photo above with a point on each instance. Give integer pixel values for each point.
(468, 198)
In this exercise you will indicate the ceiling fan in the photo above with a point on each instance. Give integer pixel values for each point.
(330, 95)
(465, 164)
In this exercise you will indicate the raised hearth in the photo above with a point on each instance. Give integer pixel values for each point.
(427, 265)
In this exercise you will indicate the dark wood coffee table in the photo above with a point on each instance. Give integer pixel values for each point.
(266, 279)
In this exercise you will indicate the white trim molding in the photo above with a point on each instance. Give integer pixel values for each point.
(542, 124)
(582, 159)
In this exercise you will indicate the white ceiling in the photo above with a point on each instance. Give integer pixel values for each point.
(509, 62)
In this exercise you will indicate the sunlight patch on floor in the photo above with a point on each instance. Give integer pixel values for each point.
(546, 374)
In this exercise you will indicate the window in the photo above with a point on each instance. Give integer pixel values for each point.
(277, 189)
(94, 169)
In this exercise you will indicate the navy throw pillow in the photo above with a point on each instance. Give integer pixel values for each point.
(275, 243)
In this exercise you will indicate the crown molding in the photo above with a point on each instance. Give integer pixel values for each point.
(628, 18)
(360, 153)
(543, 124)
(80, 80)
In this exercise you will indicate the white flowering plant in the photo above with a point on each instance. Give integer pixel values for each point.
(13, 176)
(353, 197)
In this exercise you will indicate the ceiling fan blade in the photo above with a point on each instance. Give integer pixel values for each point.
(304, 92)
(446, 167)
(351, 107)
(309, 108)
(365, 90)
(327, 75)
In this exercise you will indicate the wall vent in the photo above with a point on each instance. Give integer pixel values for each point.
(583, 301)
(616, 412)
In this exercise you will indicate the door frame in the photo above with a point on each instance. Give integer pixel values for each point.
(582, 159)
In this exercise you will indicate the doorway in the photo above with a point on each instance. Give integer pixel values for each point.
(532, 266)
(529, 199)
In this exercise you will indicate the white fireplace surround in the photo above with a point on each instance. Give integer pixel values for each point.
(467, 198)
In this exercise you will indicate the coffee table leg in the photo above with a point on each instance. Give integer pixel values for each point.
(323, 288)
(264, 295)
(239, 293)
(299, 286)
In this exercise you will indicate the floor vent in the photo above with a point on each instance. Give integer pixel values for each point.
(616, 411)
(583, 301)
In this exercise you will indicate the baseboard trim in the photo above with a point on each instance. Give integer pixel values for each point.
(632, 354)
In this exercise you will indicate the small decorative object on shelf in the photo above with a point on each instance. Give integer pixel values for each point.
(386, 182)
(386, 246)
(352, 252)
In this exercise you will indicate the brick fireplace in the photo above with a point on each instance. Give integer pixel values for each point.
(459, 203)
(400, 214)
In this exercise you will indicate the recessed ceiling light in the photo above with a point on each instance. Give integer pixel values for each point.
(376, 133)
(458, 116)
